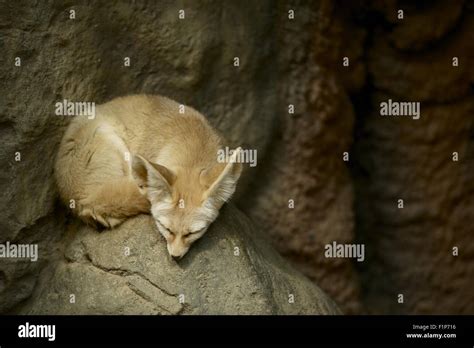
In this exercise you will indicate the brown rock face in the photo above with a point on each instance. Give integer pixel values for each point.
(411, 249)
(304, 194)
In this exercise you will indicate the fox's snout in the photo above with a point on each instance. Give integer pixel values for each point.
(177, 249)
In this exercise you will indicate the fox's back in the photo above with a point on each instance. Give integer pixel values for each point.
(93, 150)
(158, 128)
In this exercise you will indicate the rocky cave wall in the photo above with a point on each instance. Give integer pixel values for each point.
(282, 61)
(410, 250)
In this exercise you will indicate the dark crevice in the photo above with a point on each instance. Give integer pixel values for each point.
(361, 162)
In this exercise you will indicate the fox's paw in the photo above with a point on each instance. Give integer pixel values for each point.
(103, 220)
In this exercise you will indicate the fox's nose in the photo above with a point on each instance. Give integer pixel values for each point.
(175, 257)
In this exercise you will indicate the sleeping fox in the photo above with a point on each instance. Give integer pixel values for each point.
(143, 154)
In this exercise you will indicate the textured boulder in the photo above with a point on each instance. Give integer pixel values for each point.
(231, 270)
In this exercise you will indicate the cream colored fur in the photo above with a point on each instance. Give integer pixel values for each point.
(140, 155)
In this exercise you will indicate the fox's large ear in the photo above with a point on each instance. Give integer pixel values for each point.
(221, 179)
(152, 178)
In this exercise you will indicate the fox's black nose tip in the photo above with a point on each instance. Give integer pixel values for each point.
(175, 258)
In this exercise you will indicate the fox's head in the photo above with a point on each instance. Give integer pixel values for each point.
(186, 201)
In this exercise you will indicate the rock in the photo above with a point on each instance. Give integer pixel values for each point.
(421, 27)
(429, 75)
(231, 270)
(306, 164)
(411, 249)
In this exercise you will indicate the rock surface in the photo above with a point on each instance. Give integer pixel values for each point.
(231, 270)
(410, 251)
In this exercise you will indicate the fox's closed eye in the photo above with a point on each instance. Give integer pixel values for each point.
(194, 232)
(165, 228)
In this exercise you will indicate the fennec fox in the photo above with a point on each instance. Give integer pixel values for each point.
(141, 155)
